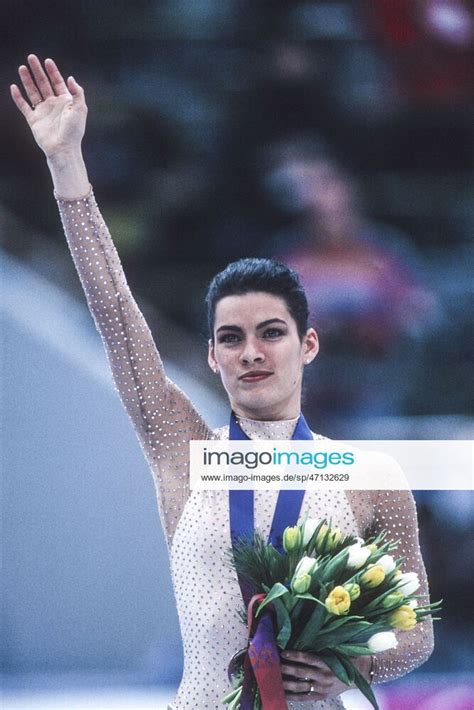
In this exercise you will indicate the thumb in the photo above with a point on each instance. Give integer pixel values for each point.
(76, 90)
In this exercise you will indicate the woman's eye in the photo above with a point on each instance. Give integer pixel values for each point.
(229, 338)
(273, 333)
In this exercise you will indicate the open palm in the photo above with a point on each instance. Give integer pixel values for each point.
(57, 115)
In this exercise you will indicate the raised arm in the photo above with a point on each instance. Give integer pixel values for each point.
(163, 417)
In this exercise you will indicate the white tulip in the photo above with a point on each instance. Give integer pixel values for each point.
(358, 555)
(412, 603)
(306, 565)
(387, 562)
(309, 527)
(382, 641)
(408, 583)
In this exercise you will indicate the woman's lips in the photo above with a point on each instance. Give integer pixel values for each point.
(255, 376)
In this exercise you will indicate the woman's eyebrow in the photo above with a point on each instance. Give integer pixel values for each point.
(269, 321)
(233, 328)
(238, 329)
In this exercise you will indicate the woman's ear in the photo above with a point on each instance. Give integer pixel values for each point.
(311, 346)
(211, 358)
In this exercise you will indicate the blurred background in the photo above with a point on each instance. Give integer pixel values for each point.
(334, 136)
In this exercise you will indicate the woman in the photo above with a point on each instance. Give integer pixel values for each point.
(259, 345)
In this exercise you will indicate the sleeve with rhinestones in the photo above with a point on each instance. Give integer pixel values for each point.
(163, 417)
(395, 512)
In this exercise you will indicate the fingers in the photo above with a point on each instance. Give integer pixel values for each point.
(297, 676)
(31, 90)
(302, 671)
(37, 84)
(304, 691)
(42, 80)
(309, 659)
(40, 85)
(55, 77)
(20, 102)
(298, 672)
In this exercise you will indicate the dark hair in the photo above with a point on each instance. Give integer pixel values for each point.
(253, 275)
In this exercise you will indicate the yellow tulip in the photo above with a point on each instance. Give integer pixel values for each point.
(372, 577)
(403, 618)
(321, 535)
(291, 538)
(330, 541)
(335, 537)
(338, 601)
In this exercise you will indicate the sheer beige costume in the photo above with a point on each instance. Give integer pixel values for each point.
(196, 525)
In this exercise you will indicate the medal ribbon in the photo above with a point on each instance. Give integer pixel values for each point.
(262, 661)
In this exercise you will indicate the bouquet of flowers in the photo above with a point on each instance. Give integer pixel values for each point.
(328, 593)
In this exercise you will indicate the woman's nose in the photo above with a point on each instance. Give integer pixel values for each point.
(252, 352)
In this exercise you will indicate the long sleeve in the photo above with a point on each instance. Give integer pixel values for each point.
(163, 417)
(395, 512)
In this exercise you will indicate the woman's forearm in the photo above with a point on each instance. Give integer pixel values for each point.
(69, 174)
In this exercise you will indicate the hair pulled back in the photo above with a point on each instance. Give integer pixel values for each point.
(254, 275)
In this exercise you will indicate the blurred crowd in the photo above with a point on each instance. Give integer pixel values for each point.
(335, 136)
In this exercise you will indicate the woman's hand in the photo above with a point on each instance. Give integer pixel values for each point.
(307, 678)
(58, 111)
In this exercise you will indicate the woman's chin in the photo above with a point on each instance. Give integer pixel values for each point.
(248, 404)
(258, 407)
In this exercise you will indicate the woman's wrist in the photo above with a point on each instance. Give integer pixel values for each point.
(69, 173)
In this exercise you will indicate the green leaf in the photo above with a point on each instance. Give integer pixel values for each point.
(333, 662)
(374, 628)
(311, 628)
(309, 596)
(372, 605)
(290, 601)
(335, 621)
(347, 663)
(312, 542)
(276, 591)
(296, 612)
(334, 567)
(321, 624)
(353, 649)
(365, 688)
(283, 622)
(424, 614)
(235, 702)
(332, 638)
(230, 696)
(257, 702)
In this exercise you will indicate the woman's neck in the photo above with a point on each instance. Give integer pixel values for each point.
(254, 419)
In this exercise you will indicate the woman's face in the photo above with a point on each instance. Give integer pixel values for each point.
(259, 355)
